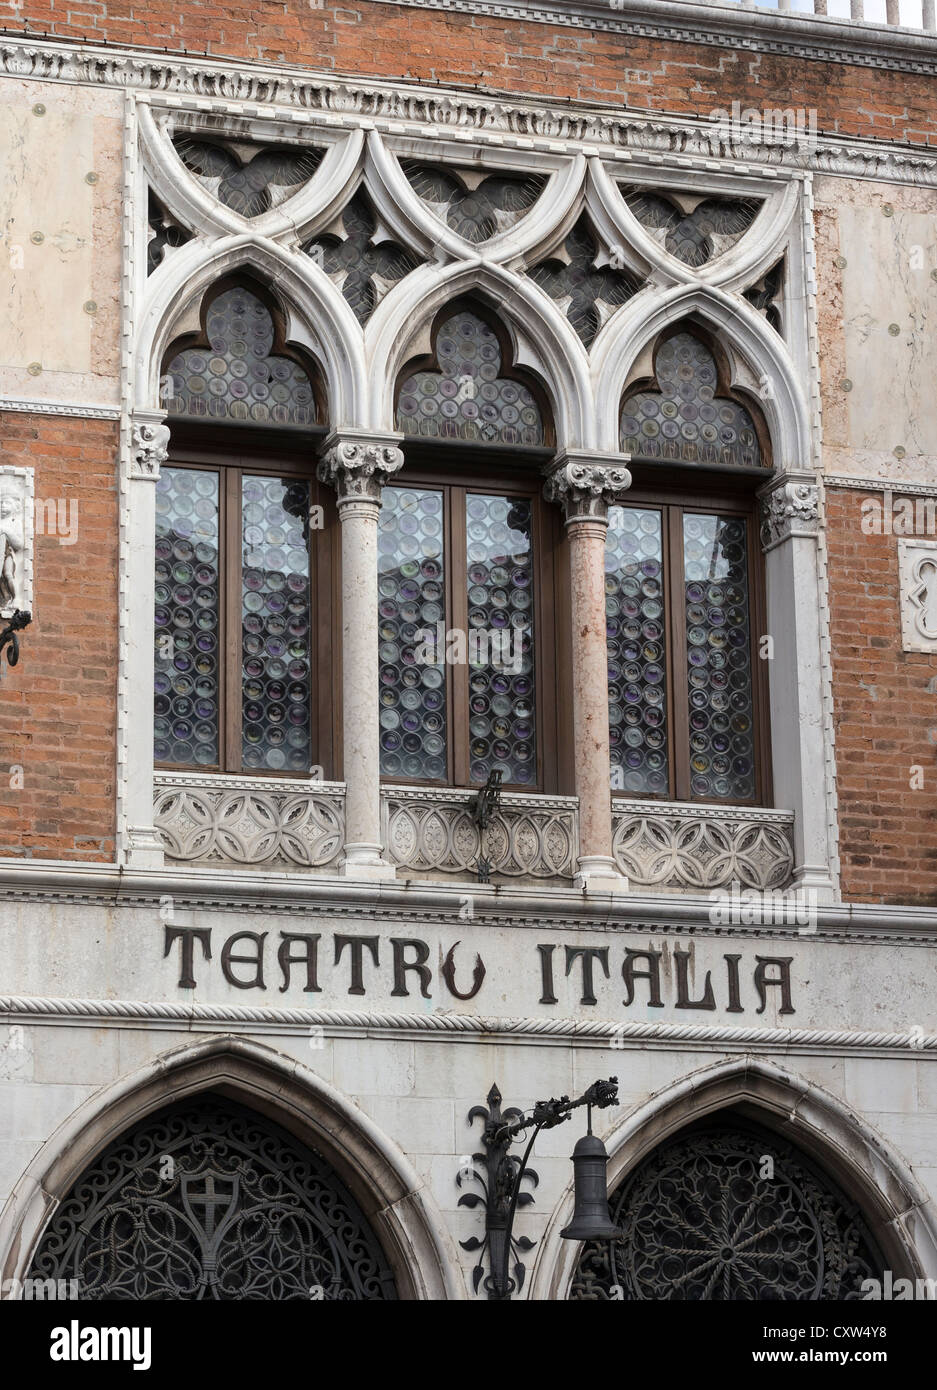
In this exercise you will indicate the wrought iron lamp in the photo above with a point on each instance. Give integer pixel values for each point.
(8, 637)
(504, 1172)
(482, 807)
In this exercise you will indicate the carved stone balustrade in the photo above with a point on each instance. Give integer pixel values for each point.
(669, 848)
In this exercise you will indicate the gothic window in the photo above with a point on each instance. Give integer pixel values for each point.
(165, 234)
(696, 229)
(680, 604)
(465, 574)
(207, 1200)
(684, 597)
(588, 291)
(464, 394)
(475, 205)
(687, 414)
(246, 177)
(243, 550)
(729, 1212)
(364, 268)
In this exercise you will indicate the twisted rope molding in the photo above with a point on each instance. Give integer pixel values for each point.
(911, 1039)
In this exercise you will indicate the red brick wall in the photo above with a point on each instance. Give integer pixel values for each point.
(58, 706)
(506, 55)
(884, 716)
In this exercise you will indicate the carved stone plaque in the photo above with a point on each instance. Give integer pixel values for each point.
(16, 540)
(917, 572)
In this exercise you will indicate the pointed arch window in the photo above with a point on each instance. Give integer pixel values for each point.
(728, 1211)
(684, 586)
(468, 680)
(244, 547)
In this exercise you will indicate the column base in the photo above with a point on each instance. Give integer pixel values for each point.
(365, 862)
(145, 848)
(598, 874)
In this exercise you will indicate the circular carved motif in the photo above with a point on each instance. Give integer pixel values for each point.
(726, 1214)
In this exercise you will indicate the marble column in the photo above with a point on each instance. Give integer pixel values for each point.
(585, 485)
(141, 846)
(357, 465)
(801, 760)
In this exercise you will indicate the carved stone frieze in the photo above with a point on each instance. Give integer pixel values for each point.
(701, 848)
(433, 832)
(250, 823)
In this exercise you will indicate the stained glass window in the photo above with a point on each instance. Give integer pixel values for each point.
(500, 638)
(248, 183)
(719, 673)
(411, 603)
(637, 690)
(186, 682)
(684, 420)
(457, 632)
(165, 234)
(237, 377)
(693, 229)
(479, 211)
(275, 624)
(678, 604)
(590, 293)
(364, 270)
(468, 398)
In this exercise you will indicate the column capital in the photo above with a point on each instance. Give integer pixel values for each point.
(586, 483)
(149, 443)
(790, 507)
(358, 464)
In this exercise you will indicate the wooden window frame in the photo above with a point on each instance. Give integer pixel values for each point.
(674, 496)
(457, 470)
(233, 452)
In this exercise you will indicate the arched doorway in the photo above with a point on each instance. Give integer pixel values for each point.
(728, 1210)
(206, 1199)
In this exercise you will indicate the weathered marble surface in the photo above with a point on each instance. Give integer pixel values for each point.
(60, 242)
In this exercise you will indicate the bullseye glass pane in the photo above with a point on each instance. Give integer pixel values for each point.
(719, 672)
(238, 377)
(500, 647)
(637, 684)
(411, 602)
(186, 613)
(275, 624)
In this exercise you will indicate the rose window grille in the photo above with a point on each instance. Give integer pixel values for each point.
(206, 1200)
(729, 1214)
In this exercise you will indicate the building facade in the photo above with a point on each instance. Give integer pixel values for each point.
(471, 473)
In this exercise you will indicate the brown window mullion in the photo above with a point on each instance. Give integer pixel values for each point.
(230, 625)
(457, 675)
(680, 709)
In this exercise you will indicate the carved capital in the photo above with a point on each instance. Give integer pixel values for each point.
(358, 466)
(586, 485)
(150, 447)
(792, 509)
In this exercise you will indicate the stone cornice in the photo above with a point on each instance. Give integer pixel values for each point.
(516, 907)
(511, 121)
(821, 38)
(446, 1025)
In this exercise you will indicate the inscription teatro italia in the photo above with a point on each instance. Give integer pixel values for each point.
(653, 977)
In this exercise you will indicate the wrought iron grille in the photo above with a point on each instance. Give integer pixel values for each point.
(207, 1200)
(729, 1214)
